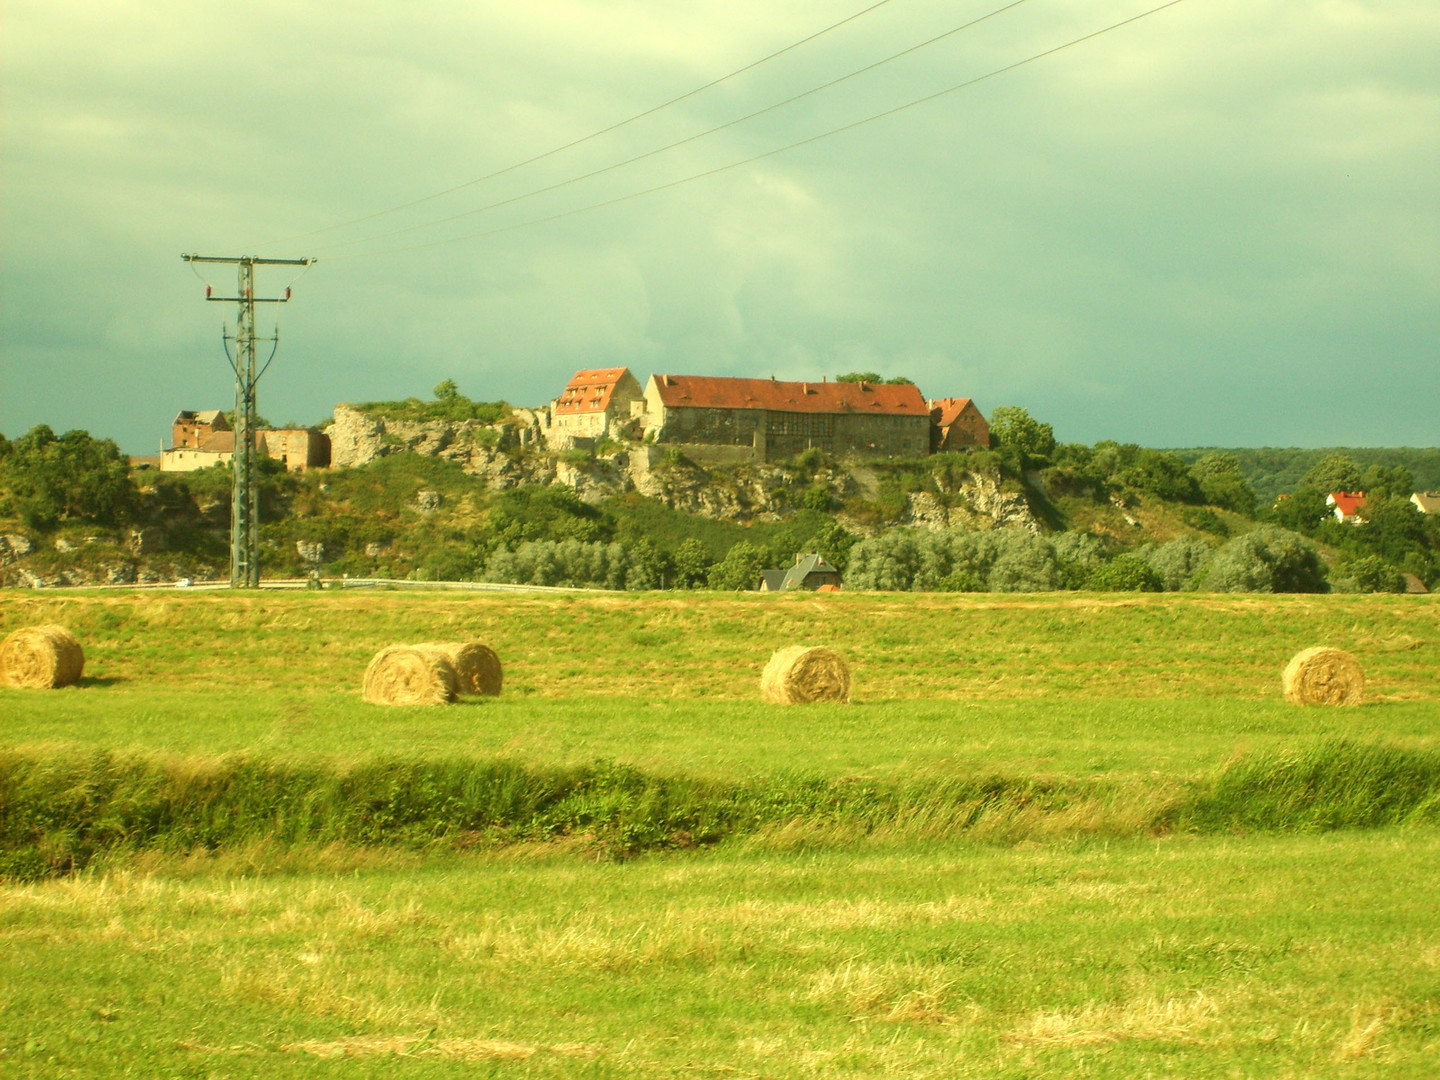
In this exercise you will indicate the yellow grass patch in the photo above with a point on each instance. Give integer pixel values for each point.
(1167, 1020)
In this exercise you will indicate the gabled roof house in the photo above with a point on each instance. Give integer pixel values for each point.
(1347, 505)
(592, 400)
(809, 572)
(957, 424)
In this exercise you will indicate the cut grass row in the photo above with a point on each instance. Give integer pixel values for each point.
(59, 812)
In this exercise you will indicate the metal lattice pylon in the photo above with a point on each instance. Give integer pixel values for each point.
(245, 493)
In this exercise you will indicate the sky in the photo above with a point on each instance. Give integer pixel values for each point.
(1217, 225)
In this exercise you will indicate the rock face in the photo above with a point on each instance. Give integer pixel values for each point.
(16, 544)
(358, 438)
(312, 551)
(738, 493)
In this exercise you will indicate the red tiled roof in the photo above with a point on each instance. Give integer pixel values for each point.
(717, 392)
(1347, 502)
(949, 409)
(589, 391)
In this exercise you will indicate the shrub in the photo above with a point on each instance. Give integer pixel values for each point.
(1269, 559)
(570, 563)
(1368, 574)
(1124, 573)
(1179, 563)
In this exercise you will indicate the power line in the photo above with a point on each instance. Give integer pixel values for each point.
(587, 138)
(777, 150)
(688, 139)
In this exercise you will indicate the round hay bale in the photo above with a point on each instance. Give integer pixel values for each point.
(476, 666)
(40, 658)
(1323, 676)
(411, 675)
(800, 674)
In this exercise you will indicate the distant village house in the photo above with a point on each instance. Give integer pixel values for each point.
(1346, 506)
(1427, 502)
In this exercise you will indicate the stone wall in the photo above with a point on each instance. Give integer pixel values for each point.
(778, 436)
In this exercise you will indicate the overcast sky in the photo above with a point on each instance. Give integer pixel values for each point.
(1219, 225)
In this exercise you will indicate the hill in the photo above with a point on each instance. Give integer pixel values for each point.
(1272, 471)
(460, 490)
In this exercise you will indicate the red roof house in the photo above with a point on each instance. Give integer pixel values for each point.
(957, 424)
(1346, 505)
(592, 399)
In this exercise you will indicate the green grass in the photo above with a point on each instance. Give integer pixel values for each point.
(1058, 836)
(1277, 956)
(59, 812)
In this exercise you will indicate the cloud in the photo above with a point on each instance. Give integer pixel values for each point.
(1206, 227)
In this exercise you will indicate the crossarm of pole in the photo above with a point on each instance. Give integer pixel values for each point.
(253, 261)
(249, 299)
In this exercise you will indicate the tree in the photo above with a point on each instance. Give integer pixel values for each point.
(1333, 472)
(1222, 484)
(1024, 562)
(1378, 482)
(1014, 430)
(1368, 574)
(1302, 511)
(858, 376)
(740, 569)
(261, 424)
(1160, 473)
(692, 563)
(1180, 562)
(446, 391)
(48, 479)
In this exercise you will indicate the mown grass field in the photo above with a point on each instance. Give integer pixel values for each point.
(1071, 835)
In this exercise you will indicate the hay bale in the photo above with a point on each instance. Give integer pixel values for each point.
(40, 658)
(1323, 676)
(411, 675)
(800, 674)
(476, 666)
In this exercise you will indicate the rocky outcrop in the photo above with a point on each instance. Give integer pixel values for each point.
(976, 503)
(1003, 509)
(358, 438)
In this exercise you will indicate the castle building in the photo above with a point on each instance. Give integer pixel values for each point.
(767, 420)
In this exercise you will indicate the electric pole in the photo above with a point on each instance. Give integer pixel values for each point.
(245, 495)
